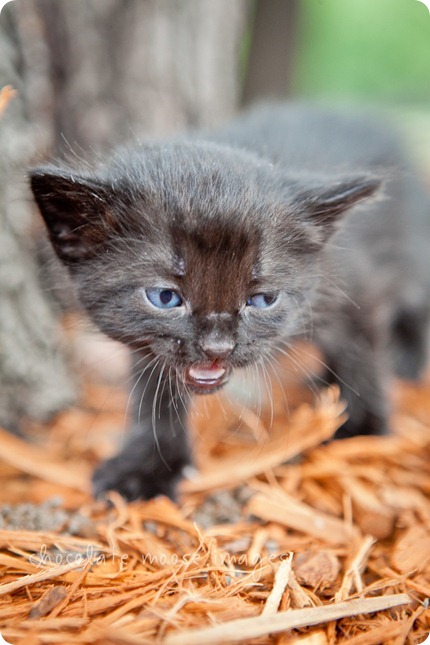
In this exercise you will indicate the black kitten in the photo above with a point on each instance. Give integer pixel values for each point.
(204, 255)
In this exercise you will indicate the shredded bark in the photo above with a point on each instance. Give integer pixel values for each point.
(331, 547)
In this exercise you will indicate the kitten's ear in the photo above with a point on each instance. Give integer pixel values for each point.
(324, 204)
(75, 211)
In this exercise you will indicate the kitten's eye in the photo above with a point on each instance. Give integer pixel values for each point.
(262, 300)
(163, 298)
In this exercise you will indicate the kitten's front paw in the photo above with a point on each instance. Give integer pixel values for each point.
(132, 482)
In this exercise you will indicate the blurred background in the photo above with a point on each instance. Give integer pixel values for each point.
(90, 74)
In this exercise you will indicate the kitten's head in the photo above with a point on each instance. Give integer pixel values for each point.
(202, 255)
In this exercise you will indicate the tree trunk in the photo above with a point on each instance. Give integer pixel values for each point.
(125, 68)
(273, 50)
(34, 381)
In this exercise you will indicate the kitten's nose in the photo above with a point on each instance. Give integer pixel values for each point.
(216, 349)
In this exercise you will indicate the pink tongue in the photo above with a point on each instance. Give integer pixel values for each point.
(206, 373)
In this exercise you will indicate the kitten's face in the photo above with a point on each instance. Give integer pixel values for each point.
(200, 255)
(201, 302)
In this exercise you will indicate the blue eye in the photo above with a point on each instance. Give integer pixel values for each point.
(163, 298)
(262, 300)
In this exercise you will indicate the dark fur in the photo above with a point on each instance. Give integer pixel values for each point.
(269, 204)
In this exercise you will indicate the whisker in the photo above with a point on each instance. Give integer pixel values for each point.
(144, 390)
(153, 416)
(272, 360)
(269, 390)
(323, 364)
(179, 386)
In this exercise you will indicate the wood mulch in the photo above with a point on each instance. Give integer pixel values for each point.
(331, 547)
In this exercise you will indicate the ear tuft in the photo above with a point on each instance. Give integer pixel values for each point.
(74, 210)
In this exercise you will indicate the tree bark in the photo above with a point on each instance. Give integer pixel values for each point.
(126, 68)
(34, 379)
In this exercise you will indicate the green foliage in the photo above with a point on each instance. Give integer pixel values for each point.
(370, 49)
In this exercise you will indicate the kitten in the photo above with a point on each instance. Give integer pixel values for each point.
(207, 253)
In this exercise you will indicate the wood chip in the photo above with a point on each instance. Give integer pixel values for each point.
(34, 461)
(47, 574)
(372, 516)
(49, 600)
(318, 569)
(412, 550)
(246, 628)
(281, 581)
(352, 576)
(301, 517)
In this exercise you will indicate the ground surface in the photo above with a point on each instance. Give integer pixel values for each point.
(333, 547)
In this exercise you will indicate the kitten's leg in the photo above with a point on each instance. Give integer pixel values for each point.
(410, 341)
(157, 450)
(359, 370)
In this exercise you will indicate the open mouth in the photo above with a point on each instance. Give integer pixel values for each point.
(206, 377)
